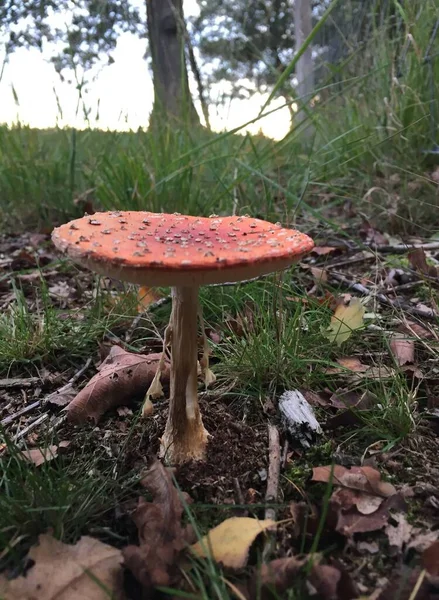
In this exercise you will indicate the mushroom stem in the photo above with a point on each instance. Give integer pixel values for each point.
(185, 437)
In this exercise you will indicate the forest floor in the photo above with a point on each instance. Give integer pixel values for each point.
(356, 501)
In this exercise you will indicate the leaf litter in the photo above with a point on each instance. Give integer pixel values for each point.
(352, 510)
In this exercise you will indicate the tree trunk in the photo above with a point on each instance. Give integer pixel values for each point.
(304, 68)
(172, 99)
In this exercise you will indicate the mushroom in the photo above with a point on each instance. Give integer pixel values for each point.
(182, 252)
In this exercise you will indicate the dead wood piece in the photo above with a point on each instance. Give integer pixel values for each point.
(21, 434)
(429, 314)
(19, 382)
(402, 248)
(10, 418)
(273, 471)
(298, 418)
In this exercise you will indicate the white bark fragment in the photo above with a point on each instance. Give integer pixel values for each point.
(298, 418)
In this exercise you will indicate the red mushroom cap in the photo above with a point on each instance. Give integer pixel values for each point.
(173, 249)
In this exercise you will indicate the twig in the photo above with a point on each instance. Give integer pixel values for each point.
(24, 382)
(68, 385)
(395, 304)
(29, 428)
(10, 418)
(142, 315)
(284, 454)
(273, 470)
(350, 260)
(239, 497)
(403, 248)
(272, 485)
(60, 420)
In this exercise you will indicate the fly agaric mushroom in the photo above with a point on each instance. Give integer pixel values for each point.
(182, 252)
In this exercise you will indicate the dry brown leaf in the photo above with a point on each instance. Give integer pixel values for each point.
(333, 582)
(415, 329)
(323, 250)
(41, 455)
(403, 349)
(400, 534)
(320, 275)
(364, 479)
(147, 296)
(229, 543)
(348, 363)
(161, 534)
(88, 570)
(275, 578)
(418, 260)
(353, 521)
(430, 559)
(346, 499)
(121, 377)
(345, 320)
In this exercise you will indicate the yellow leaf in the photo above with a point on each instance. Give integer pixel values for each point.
(344, 321)
(229, 543)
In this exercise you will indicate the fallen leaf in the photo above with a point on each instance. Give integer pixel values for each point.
(161, 535)
(417, 330)
(121, 377)
(403, 349)
(61, 397)
(229, 543)
(345, 320)
(332, 583)
(365, 479)
(323, 250)
(348, 363)
(147, 296)
(274, 578)
(89, 570)
(346, 499)
(399, 535)
(368, 547)
(430, 559)
(403, 582)
(320, 275)
(369, 233)
(350, 403)
(353, 521)
(422, 540)
(418, 260)
(378, 372)
(38, 456)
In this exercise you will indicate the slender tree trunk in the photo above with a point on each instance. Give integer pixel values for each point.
(305, 68)
(172, 99)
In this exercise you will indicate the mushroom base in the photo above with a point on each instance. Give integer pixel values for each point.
(185, 437)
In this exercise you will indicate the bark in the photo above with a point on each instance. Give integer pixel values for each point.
(185, 437)
(172, 99)
(304, 68)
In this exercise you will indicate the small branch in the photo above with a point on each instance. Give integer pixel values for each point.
(395, 304)
(21, 434)
(239, 498)
(24, 382)
(403, 248)
(9, 419)
(273, 471)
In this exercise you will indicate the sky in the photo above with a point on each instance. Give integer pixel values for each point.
(119, 98)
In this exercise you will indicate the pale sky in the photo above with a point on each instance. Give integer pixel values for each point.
(123, 92)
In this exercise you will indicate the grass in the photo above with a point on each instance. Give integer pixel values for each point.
(35, 334)
(371, 129)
